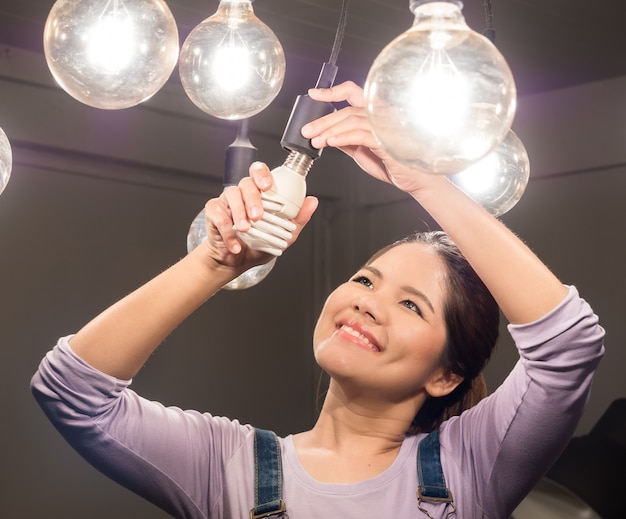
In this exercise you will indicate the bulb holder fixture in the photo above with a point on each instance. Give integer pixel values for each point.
(306, 110)
(238, 157)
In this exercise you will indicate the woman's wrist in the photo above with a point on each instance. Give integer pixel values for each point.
(211, 271)
(432, 189)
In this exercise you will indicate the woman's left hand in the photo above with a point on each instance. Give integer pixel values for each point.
(235, 211)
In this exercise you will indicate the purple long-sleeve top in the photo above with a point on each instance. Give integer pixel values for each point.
(197, 465)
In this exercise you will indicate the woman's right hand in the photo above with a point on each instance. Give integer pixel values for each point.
(234, 211)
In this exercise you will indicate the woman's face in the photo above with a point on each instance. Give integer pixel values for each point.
(383, 331)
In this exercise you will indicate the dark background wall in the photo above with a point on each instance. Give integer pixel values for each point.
(100, 202)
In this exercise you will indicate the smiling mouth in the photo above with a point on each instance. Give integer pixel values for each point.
(362, 339)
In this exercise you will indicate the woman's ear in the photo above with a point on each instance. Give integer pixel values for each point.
(443, 383)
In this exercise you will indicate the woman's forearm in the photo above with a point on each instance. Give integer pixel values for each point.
(523, 286)
(120, 340)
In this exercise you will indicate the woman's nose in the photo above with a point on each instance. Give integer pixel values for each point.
(370, 307)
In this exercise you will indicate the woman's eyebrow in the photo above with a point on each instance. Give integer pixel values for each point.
(409, 289)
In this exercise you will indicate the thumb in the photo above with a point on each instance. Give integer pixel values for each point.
(306, 211)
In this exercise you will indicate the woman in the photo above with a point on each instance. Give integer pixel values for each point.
(404, 342)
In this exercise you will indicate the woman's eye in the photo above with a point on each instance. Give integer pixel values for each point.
(363, 280)
(412, 306)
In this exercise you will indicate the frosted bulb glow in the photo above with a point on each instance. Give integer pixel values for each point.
(440, 96)
(6, 160)
(498, 181)
(111, 54)
(232, 68)
(444, 96)
(198, 233)
(231, 65)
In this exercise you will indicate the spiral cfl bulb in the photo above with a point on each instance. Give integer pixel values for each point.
(281, 201)
(231, 65)
(440, 96)
(111, 54)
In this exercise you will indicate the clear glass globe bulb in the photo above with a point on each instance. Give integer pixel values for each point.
(497, 181)
(198, 233)
(440, 96)
(232, 65)
(111, 54)
(6, 160)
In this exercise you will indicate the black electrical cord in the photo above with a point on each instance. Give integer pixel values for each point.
(329, 69)
(306, 109)
(241, 153)
(489, 31)
(341, 29)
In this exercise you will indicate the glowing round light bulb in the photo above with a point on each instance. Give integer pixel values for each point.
(111, 54)
(440, 96)
(6, 160)
(232, 66)
(497, 181)
(198, 233)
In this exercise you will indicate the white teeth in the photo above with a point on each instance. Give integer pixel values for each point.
(360, 336)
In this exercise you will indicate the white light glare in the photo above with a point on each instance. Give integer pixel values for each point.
(111, 54)
(441, 96)
(111, 42)
(436, 87)
(232, 65)
(232, 68)
(497, 181)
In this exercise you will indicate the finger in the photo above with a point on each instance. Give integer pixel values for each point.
(306, 211)
(261, 175)
(347, 91)
(352, 139)
(320, 126)
(304, 216)
(346, 137)
(233, 197)
(251, 199)
(220, 224)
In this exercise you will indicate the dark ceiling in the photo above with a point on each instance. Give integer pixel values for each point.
(549, 44)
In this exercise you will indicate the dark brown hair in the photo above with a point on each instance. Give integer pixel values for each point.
(472, 321)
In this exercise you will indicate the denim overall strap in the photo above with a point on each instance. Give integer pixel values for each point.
(268, 476)
(430, 480)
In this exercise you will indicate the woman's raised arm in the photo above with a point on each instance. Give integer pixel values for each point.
(120, 340)
(522, 285)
